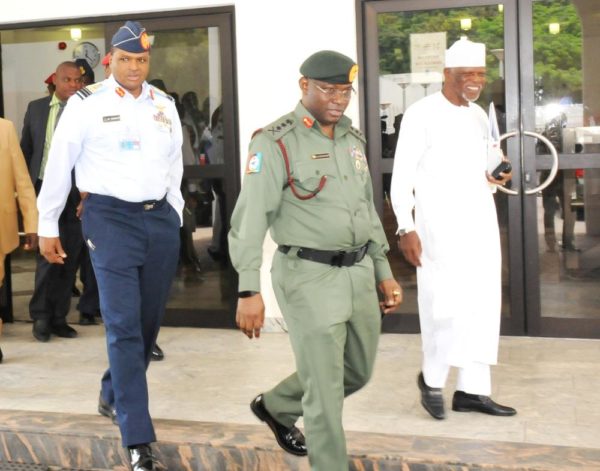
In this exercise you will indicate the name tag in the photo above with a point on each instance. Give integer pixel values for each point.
(130, 144)
(111, 119)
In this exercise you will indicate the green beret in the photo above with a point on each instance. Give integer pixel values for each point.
(330, 67)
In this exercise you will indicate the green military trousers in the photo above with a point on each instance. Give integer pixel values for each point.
(334, 322)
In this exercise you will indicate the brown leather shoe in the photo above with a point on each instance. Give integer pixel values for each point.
(289, 438)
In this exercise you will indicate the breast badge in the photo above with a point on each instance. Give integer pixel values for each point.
(360, 159)
(162, 120)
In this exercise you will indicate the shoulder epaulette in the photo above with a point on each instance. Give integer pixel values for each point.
(357, 133)
(89, 90)
(278, 128)
(159, 92)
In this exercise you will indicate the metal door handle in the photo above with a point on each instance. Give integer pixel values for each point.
(553, 170)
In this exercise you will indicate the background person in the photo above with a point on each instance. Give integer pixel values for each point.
(15, 187)
(307, 181)
(454, 240)
(51, 299)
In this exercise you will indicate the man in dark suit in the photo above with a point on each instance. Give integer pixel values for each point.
(51, 298)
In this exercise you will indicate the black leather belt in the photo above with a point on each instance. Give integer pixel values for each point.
(336, 258)
(132, 206)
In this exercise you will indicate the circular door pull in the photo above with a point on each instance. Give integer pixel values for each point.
(553, 170)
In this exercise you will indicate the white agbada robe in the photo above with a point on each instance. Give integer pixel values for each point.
(442, 155)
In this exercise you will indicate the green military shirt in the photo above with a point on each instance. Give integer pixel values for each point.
(340, 217)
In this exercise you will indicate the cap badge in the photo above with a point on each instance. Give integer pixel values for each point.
(352, 73)
(145, 41)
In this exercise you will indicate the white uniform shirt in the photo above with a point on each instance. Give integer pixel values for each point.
(442, 156)
(120, 146)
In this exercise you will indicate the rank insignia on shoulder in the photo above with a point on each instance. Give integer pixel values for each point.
(89, 90)
(254, 164)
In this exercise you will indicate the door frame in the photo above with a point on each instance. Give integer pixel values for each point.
(230, 172)
(523, 246)
(224, 18)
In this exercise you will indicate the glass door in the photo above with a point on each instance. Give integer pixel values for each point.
(546, 290)
(192, 60)
(559, 40)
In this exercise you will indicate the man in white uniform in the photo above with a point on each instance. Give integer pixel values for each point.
(454, 239)
(123, 137)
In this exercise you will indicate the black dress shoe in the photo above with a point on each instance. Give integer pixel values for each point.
(289, 438)
(431, 399)
(463, 402)
(41, 330)
(63, 330)
(142, 459)
(157, 353)
(105, 409)
(87, 319)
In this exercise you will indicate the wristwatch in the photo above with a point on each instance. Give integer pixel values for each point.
(402, 232)
(246, 294)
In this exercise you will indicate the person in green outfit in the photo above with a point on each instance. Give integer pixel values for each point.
(307, 181)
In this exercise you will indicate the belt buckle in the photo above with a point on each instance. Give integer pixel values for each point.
(149, 206)
(338, 259)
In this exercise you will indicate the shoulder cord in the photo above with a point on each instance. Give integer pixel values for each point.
(290, 180)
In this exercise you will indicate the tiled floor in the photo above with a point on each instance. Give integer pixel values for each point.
(211, 375)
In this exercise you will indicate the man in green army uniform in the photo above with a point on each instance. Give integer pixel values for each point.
(307, 180)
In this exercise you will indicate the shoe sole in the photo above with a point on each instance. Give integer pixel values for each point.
(469, 409)
(260, 416)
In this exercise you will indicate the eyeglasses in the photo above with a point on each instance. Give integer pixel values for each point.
(345, 93)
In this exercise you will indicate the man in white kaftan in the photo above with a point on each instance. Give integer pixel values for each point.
(454, 239)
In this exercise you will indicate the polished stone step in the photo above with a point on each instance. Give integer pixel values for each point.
(85, 442)
(38, 467)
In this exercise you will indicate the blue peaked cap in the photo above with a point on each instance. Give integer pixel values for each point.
(131, 37)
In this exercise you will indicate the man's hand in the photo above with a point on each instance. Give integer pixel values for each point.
(51, 249)
(31, 242)
(79, 210)
(392, 293)
(410, 246)
(505, 177)
(250, 315)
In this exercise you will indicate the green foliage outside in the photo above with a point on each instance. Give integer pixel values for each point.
(557, 57)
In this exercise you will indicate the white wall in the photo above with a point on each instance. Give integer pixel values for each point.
(273, 37)
(20, 86)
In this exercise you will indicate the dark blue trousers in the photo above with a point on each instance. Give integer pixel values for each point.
(134, 251)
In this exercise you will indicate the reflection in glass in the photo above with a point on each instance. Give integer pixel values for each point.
(186, 63)
(411, 51)
(567, 109)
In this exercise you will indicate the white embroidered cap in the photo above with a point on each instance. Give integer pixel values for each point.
(465, 53)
